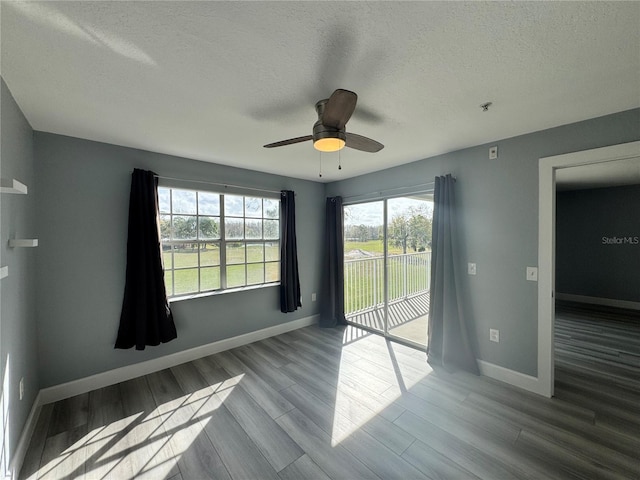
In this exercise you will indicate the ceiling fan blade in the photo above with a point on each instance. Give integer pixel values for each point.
(339, 108)
(290, 141)
(363, 143)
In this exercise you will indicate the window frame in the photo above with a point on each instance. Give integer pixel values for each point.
(221, 241)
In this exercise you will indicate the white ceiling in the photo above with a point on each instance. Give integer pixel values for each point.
(215, 81)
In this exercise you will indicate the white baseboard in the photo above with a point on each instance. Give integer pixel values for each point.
(607, 302)
(111, 377)
(517, 379)
(25, 438)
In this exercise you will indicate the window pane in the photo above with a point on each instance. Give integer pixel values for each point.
(208, 203)
(191, 235)
(253, 207)
(271, 251)
(184, 201)
(165, 227)
(233, 205)
(186, 281)
(185, 255)
(272, 271)
(167, 261)
(255, 252)
(255, 273)
(184, 228)
(235, 253)
(168, 282)
(271, 229)
(209, 278)
(209, 254)
(253, 229)
(209, 228)
(271, 208)
(234, 228)
(164, 200)
(235, 276)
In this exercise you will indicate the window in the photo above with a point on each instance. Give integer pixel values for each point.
(212, 241)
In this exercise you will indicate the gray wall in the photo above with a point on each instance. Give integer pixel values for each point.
(82, 225)
(587, 265)
(18, 290)
(498, 211)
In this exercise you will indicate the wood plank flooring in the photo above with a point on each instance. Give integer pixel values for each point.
(345, 404)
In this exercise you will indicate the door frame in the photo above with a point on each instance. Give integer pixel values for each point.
(385, 330)
(547, 167)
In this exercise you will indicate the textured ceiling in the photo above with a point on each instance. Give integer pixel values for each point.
(215, 81)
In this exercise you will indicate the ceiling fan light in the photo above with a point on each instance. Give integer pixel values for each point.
(329, 144)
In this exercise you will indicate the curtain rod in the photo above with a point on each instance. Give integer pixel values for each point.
(225, 185)
(380, 192)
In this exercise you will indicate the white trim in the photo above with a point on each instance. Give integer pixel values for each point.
(608, 302)
(517, 379)
(25, 438)
(546, 244)
(111, 377)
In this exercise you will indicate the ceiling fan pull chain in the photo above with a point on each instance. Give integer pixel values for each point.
(339, 160)
(320, 155)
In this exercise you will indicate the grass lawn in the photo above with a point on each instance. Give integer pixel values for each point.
(185, 262)
(373, 246)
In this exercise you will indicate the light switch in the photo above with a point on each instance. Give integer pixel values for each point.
(532, 274)
(471, 268)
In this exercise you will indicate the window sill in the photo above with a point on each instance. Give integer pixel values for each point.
(180, 298)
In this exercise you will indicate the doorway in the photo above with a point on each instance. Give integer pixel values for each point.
(548, 168)
(387, 266)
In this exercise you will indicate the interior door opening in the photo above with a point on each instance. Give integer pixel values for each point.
(387, 265)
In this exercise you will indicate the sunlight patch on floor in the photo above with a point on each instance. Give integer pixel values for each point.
(366, 386)
(139, 446)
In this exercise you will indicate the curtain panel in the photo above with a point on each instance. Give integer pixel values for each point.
(449, 342)
(290, 297)
(146, 318)
(332, 311)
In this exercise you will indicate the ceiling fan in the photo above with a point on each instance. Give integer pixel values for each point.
(329, 133)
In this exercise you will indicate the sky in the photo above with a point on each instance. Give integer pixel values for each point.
(184, 202)
(371, 213)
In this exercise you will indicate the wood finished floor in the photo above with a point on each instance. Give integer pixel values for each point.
(343, 404)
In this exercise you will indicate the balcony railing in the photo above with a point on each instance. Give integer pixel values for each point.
(409, 274)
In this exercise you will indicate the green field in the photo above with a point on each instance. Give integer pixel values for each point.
(184, 261)
(373, 246)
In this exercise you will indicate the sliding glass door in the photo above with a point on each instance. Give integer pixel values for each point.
(364, 258)
(388, 265)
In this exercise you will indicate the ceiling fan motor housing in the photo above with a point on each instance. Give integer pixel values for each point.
(320, 130)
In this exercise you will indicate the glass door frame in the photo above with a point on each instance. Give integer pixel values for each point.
(385, 211)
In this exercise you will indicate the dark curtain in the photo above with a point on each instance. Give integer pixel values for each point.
(146, 318)
(449, 344)
(332, 311)
(289, 278)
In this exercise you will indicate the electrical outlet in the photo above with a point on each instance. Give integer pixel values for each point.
(471, 268)
(532, 274)
(313, 297)
(493, 152)
(494, 335)
(21, 388)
